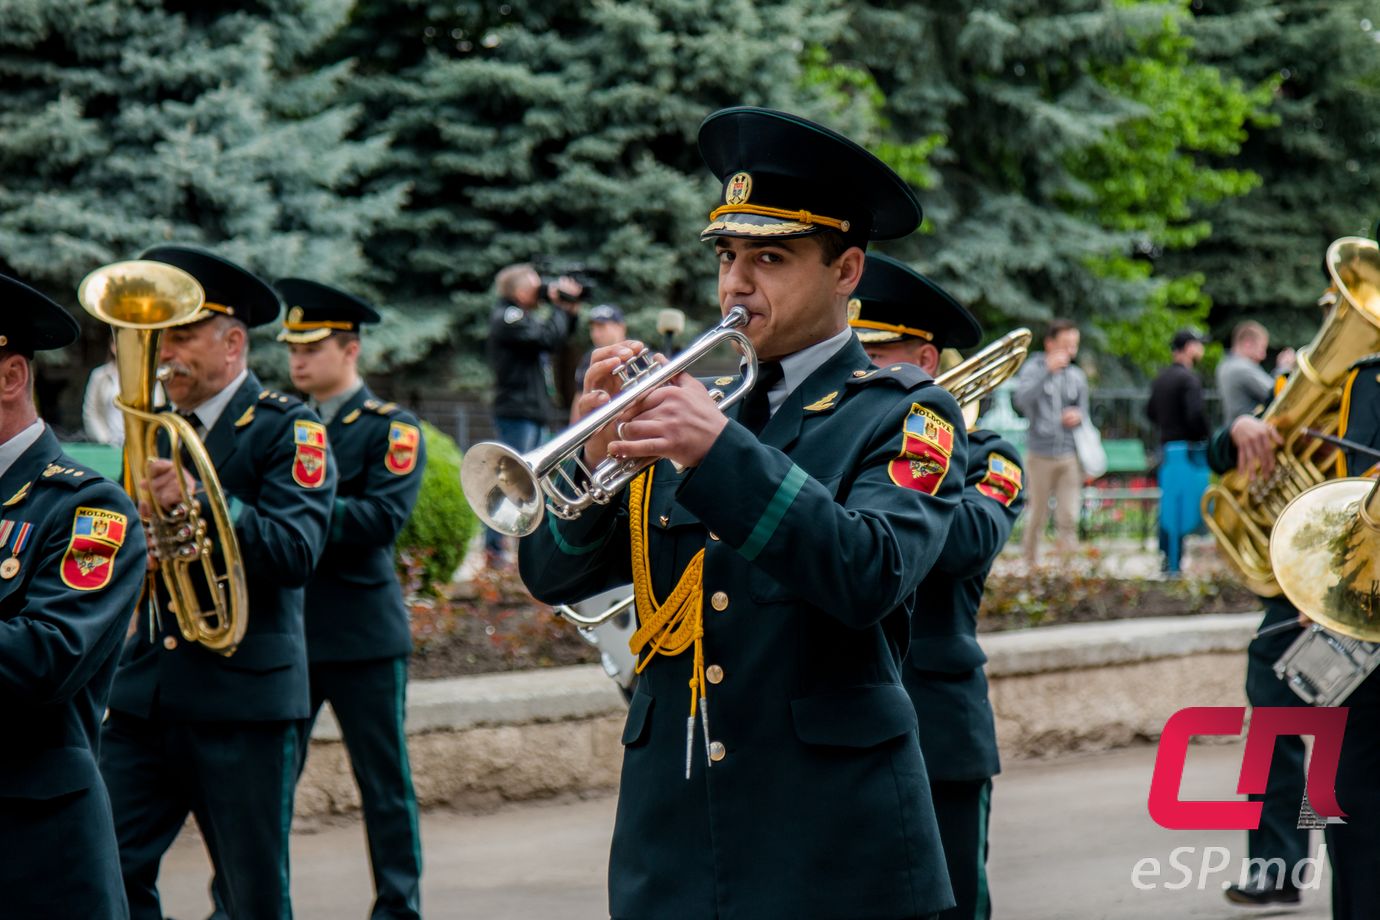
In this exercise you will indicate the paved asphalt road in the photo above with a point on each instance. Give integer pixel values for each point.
(1066, 835)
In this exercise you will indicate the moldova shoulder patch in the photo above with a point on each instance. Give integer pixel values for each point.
(402, 448)
(926, 450)
(1002, 481)
(309, 463)
(97, 535)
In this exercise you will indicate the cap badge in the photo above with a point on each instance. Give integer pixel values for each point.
(739, 189)
(854, 309)
(295, 315)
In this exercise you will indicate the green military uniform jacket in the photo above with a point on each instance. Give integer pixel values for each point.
(270, 453)
(71, 566)
(820, 806)
(354, 604)
(944, 676)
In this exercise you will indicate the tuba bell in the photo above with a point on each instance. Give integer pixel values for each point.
(140, 299)
(1241, 512)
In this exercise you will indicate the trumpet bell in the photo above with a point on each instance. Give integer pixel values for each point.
(141, 294)
(1325, 553)
(502, 489)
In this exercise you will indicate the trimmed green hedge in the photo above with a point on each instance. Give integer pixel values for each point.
(433, 541)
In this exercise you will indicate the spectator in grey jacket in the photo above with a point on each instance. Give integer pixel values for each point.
(1053, 394)
(1241, 382)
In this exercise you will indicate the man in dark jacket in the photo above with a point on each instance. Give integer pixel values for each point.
(195, 731)
(519, 347)
(901, 316)
(1176, 409)
(73, 563)
(789, 782)
(358, 639)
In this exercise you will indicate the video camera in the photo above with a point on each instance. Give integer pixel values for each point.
(552, 268)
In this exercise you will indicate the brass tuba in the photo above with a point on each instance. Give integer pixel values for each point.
(1241, 512)
(140, 299)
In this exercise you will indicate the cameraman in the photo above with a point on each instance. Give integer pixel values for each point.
(518, 347)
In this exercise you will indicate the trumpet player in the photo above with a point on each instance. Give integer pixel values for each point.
(902, 317)
(775, 553)
(71, 564)
(190, 730)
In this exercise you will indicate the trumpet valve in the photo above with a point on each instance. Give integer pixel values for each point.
(178, 511)
(635, 367)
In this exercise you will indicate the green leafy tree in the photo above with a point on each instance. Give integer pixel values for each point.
(1319, 173)
(133, 122)
(1153, 176)
(1046, 198)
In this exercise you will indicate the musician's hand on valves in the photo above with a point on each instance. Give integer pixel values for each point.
(601, 385)
(679, 421)
(163, 484)
(1255, 445)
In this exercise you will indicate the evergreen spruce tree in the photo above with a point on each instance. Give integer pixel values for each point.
(565, 130)
(1319, 172)
(133, 122)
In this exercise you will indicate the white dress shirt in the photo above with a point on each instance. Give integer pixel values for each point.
(210, 411)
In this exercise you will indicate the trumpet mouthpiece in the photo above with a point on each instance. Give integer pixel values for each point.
(164, 373)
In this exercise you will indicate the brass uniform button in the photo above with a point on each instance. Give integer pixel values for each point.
(717, 752)
(714, 673)
(169, 643)
(860, 373)
(719, 601)
(713, 536)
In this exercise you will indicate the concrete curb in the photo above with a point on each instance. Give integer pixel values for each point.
(512, 698)
(1099, 645)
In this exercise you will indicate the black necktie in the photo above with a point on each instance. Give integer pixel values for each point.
(756, 411)
(195, 421)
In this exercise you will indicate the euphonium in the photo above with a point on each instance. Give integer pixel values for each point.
(140, 299)
(1241, 512)
(975, 378)
(511, 492)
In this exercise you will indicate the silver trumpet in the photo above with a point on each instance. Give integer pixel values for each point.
(511, 492)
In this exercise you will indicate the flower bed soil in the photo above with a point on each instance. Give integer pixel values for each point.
(492, 624)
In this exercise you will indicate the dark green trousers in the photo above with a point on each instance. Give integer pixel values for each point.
(237, 778)
(1278, 836)
(368, 698)
(964, 812)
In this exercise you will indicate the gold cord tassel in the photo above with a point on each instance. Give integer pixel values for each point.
(674, 626)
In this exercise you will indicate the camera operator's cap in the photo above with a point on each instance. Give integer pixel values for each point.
(606, 313)
(230, 290)
(316, 310)
(1183, 337)
(785, 177)
(31, 320)
(894, 302)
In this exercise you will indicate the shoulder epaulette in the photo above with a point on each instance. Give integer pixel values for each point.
(381, 408)
(904, 375)
(72, 476)
(277, 400)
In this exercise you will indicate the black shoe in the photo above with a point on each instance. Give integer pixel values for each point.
(1260, 892)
